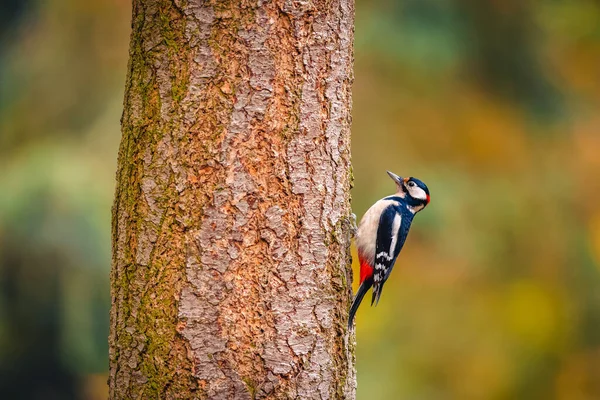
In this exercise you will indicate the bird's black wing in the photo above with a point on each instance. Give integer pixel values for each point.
(388, 245)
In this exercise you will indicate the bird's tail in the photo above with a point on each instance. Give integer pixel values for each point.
(377, 289)
(362, 290)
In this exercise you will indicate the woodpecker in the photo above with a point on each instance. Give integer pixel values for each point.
(381, 235)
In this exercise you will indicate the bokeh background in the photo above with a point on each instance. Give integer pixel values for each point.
(495, 104)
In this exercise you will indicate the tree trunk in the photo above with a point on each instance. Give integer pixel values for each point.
(231, 268)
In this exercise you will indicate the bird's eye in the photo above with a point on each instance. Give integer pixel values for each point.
(411, 184)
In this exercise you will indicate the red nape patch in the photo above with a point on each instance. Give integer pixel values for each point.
(428, 199)
(366, 270)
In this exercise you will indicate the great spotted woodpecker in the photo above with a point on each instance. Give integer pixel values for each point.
(381, 235)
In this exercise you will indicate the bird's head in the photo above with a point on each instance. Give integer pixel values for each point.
(414, 192)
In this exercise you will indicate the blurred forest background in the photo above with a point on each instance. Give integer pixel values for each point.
(495, 104)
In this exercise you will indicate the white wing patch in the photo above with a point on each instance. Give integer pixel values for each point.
(395, 232)
(382, 256)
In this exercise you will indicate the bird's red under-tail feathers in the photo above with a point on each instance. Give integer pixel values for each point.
(366, 270)
(366, 281)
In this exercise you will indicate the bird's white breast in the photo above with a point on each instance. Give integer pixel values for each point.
(366, 236)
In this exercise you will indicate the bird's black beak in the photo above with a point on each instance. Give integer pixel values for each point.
(396, 178)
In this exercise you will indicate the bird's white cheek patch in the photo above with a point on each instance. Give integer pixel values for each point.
(418, 193)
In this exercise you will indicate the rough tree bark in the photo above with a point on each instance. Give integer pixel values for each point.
(231, 265)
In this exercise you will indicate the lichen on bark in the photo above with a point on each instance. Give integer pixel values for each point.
(231, 266)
